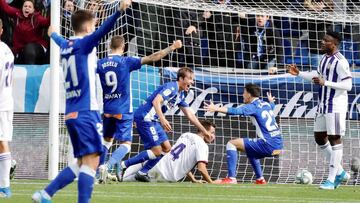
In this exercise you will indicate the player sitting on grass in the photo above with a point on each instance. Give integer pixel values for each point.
(82, 117)
(114, 72)
(189, 150)
(269, 143)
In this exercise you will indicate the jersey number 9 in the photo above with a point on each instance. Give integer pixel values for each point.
(111, 80)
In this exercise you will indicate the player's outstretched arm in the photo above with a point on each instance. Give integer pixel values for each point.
(210, 107)
(242, 110)
(293, 70)
(204, 172)
(158, 100)
(162, 53)
(195, 121)
(52, 33)
(92, 40)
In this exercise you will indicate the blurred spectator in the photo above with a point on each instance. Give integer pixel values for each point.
(152, 24)
(68, 10)
(187, 24)
(221, 32)
(32, 48)
(262, 43)
(93, 6)
(314, 29)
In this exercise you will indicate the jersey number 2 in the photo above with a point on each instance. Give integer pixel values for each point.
(270, 121)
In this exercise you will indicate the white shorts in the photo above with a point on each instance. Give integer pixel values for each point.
(6, 125)
(332, 123)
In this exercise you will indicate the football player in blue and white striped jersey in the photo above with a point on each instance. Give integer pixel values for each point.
(114, 72)
(334, 77)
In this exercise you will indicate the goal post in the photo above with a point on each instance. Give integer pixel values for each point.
(54, 95)
(218, 52)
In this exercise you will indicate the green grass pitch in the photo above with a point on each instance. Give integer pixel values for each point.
(189, 192)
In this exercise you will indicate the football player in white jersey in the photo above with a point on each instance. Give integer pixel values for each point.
(189, 150)
(334, 77)
(6, 115)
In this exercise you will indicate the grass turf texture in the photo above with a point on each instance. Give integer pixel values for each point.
(189, 192)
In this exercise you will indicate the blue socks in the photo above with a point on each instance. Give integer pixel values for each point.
(106, 147)
(141, 157)
(150, 164)
(85, 184)
(255, 163)
(118, 154)
(64, 178)
(232, 158)
(103, 155)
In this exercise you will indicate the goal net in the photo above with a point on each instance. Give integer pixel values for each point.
(231, 43)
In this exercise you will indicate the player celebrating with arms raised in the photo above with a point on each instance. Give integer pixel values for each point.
(262, 116)
(152, 124)
(114, 72)
(82, 117)
(334, 77)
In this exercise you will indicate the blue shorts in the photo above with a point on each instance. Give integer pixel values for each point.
(259, 148)
(118, 129)
(85, 129)
(151, 133)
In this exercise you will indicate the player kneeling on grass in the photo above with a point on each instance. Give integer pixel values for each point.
(269, 143)
(189, 150)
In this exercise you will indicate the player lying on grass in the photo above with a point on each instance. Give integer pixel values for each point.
(189, 150)
(114, 72)
(269, 143)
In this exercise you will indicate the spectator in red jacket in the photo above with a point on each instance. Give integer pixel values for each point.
(29, 46)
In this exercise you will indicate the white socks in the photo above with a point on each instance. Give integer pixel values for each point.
(335, 162)
(326, 148)
(5, 165)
